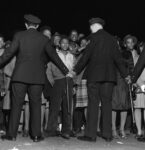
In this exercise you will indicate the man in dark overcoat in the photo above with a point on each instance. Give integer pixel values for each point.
(101, 58)
(31, 49)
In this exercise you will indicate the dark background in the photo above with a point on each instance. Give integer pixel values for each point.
(122, 17)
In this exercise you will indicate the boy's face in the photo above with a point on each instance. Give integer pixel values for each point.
(130, 43)
(64, 44)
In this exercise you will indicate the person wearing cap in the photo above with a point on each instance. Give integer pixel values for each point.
(30, 48)
(101, 57)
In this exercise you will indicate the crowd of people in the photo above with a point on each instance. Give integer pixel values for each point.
(69, 85)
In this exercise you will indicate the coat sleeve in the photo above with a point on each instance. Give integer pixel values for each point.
(55, 58)
(139, 67)
(9, 52)
(85, 57)
(49, 73)
(119, 61)
(8, 70)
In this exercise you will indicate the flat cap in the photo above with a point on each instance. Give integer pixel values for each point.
(31, 18)
(96, 20)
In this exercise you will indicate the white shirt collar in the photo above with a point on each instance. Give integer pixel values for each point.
(67, 59)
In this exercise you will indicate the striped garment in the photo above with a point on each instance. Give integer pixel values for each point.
(81, 94)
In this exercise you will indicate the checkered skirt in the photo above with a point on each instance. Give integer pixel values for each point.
(81, 94)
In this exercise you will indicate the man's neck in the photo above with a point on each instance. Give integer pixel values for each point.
(32, 27)
(97, 29)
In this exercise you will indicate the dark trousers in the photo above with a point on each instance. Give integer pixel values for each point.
(59, 100)
(6, 118)
(1, 114)
(78, 119)
(99, 91)
(19, 91)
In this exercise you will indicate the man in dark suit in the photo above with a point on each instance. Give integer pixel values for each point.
(30, 48)
(100, 58)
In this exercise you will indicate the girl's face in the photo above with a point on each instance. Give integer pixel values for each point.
(64, 44)
(130, 43)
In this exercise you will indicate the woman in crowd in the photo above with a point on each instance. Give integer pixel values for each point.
(139, 103)
(129, 43)
(121, 104)
(2, 87)
(81, 96)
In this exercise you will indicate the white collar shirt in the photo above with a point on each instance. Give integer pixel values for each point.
(68, 59)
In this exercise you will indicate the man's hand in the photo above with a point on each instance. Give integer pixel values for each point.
(134, 85)
(3, 93)
(143, 88)
(71, 74)
(128, 79)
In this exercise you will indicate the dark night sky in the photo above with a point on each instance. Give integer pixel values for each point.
(121, 17)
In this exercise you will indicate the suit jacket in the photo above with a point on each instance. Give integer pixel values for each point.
(139, 66)
(31, 49)
(101, 57)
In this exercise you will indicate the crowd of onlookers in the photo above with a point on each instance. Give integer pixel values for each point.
(75, 43)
